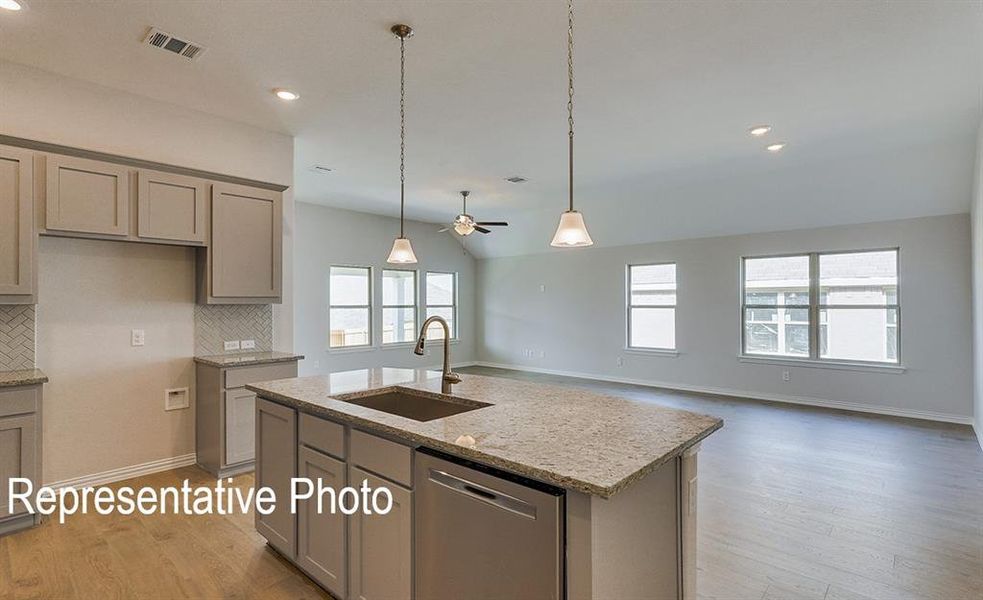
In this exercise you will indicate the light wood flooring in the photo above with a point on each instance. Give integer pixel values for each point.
(795, 503)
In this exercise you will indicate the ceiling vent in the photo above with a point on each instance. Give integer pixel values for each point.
(516, 179)
(165, 41)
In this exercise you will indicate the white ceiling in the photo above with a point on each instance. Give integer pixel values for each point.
(878, 101)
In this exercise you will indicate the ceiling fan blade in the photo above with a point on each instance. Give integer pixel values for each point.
(493, 223)
(481, 229)
(443, 230)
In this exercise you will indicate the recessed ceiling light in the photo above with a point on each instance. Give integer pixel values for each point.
(759, 130)
(281, 93)
(516, 179)
(321, 169)
(10, 5)
(775, 147)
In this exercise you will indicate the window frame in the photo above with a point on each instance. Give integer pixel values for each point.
(629, 306)
(369, 307)
(454, 311)
(815, 308)
(383, 306)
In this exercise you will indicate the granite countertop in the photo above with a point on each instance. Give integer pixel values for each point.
(240, 359)
(22, 377)
(572, 438)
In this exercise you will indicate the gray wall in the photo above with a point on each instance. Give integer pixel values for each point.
(577, 325)
(330, 236)
(977, 219)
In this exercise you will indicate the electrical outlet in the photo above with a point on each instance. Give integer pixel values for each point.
(317, 365)
(231, 345)
(137, 337)
(542, 287)
(621, 361)
(786, 376)
(542, 354)
(247, 344)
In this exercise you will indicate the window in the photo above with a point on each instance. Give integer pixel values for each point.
(442, 301)
(398, 306)
(652, 306)
(827, 306)
(350, 307)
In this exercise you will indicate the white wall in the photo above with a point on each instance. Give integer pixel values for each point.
(578, 322)
(977, 220)
(331, 236)
(97, 416)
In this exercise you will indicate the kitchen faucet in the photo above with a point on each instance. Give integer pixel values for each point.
(448, 377)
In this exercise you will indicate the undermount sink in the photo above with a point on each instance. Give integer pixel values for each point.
(413, 405)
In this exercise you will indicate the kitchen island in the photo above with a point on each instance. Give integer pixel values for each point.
(625, 471)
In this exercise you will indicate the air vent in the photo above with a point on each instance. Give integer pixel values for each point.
(165, 41)
(516, 179)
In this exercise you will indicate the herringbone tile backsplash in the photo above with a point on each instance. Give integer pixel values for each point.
(17, 337)
(216, 323)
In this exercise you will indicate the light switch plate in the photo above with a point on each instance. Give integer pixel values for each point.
(247, 344)
(176, 399)
(231, 345)
(137, 337)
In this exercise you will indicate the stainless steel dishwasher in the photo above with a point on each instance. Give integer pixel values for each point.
(483, 534)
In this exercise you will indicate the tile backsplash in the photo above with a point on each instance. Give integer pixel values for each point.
(217, 323)
(18, 327)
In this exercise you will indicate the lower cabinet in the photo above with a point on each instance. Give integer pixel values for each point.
(380, 554)
(240, 425)
(276, 443)
(322, 538)
(20, 451)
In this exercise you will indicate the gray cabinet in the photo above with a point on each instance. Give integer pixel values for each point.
(322, 537)
(17, 237)
(380, 555)
(20, 450)
(86, 196)
(225, 414)
(171, 207)
(243, 262)
(276, 444)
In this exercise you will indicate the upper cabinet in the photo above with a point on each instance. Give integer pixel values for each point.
(246, 245)
(171, 207)
(86, 196)
(17, 240)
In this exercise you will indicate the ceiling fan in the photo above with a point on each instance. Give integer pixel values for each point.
(464, 224)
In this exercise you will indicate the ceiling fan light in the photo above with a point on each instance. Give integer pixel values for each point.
(571, 232)
(402, 252)
(463, 228)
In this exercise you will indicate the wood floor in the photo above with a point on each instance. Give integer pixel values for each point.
(795, 503)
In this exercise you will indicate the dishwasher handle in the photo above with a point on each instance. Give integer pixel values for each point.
(482, 493)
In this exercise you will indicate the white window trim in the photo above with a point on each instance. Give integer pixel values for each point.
(813, 360)
(415, 306)
(371, 333)
(629, 306)
(454, 311)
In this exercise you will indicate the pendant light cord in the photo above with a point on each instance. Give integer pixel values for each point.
(402, 130)
(570, 90)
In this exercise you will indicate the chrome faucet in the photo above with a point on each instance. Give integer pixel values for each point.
(448, 377)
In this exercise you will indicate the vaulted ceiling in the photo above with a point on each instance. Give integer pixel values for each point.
(879, 103)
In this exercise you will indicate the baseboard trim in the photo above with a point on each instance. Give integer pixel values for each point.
(148, 468)
(735, 393)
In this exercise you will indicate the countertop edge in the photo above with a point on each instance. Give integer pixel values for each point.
(604, 492)
(22, 377)
(213, 362)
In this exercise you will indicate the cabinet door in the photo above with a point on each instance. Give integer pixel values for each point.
(18, 446)
(381, 546)
(246, 242)
(276, 438)
(240, 426)
(86, 196)
(321, 538)
(16, 222)
(170, 207)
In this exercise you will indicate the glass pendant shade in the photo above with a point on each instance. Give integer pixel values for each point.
(571, 232)
(402, 252)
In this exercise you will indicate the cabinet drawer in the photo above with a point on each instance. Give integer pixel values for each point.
(240, 376)
(389, 459)
(18, 401)
(321, 434)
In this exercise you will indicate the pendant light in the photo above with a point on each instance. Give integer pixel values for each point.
(571, 232)
(402, 252)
